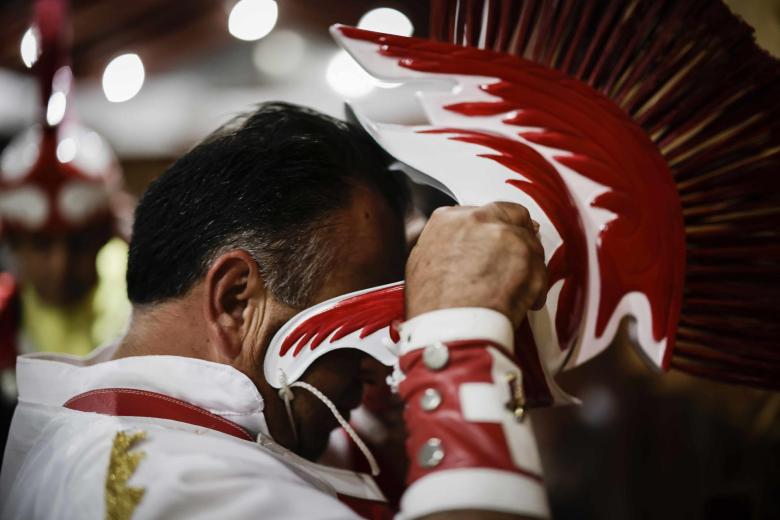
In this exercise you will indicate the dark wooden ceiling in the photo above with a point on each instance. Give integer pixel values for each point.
(168, 32)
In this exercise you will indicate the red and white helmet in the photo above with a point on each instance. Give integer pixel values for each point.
(56, 176)
(54, 180)
(485, 127)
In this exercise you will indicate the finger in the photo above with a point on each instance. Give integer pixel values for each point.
(530, 239)
(542, 287)
(535, 294)
(512, 213)
(540, 272)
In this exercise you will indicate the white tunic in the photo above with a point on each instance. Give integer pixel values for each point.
(56, 461)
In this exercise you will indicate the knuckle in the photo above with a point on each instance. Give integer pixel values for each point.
(517, 209)
(522, 211)
(538, 284)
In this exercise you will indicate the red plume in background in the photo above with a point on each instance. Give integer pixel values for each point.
(691, 75)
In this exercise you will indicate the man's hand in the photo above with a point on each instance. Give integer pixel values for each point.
(486, 256)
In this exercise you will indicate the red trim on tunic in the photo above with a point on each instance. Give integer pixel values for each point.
(129, 402)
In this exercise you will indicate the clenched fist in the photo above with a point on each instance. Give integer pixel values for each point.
(486, 256)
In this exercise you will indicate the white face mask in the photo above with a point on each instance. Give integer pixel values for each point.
(360, 320)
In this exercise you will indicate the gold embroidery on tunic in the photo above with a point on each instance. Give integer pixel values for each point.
(121, 499)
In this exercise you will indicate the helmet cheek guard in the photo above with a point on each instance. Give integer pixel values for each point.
(56, 177)
(361, 320)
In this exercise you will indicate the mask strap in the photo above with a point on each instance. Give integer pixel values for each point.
(286, 395)
(285, 391)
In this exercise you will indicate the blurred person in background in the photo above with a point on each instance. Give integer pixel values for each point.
(63, 257)
(61, 208)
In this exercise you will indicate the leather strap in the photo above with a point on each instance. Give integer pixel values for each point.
(463, 399)
(129, 402)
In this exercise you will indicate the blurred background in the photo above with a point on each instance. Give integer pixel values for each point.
(182, 69)
(154, 77)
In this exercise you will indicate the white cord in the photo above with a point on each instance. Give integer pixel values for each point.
(344, 424)
(286, 395)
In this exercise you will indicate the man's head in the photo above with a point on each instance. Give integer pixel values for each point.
(56, 212)
(278, 210)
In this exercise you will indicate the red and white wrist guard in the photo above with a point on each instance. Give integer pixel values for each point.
(470, 446)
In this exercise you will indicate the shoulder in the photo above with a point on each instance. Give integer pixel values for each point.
(190, 475)
(165, 470)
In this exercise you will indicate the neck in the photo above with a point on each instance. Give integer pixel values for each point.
(177, 328)
(165, 329)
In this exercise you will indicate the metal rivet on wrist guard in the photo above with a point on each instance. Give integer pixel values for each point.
(430, 400)
(431, 453)
(436, 356)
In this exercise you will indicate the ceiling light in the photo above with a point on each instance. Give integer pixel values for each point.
(123, 78)
(29, 47)
(386, 20)
(250, 20)
(62, 80)
(348, 78)
(55, 109)
(66, 150)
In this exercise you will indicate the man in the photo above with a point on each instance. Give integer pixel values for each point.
(277, 211)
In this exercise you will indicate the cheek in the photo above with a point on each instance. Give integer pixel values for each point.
(33, 264)
(84, 267)
(314, 418)
(335, 374)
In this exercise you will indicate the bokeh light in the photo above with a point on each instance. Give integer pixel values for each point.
(386, 20)
(123, 78)
(250, 20)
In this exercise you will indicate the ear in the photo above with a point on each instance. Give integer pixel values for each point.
(232, 283)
